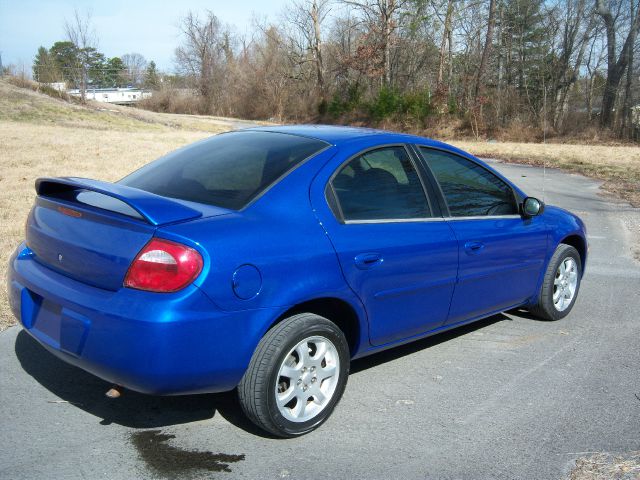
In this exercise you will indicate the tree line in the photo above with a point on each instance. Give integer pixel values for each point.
(63, 62)
(530, 67)
(77, 62)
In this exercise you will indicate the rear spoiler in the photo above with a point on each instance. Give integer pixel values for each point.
(155, 209)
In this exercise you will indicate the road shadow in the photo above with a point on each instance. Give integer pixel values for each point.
(132, 409)
(527, 315)
(395, 353)
(140, 411)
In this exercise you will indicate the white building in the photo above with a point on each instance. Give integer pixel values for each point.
(59, 86)
(120, 96)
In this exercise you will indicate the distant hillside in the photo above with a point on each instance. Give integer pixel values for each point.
(20, 104)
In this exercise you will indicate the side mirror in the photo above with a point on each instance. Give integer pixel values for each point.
(532, 207)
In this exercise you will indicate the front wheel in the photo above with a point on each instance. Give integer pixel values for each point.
(296, 375)
(560, 285)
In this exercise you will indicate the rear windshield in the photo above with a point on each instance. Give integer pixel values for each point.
(228, 170)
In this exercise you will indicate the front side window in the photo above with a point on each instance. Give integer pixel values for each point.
(226, 170)
(380, 184)
(469, 189)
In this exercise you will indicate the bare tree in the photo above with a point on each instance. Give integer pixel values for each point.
(80, 32)
(319, 11)
(498, 65)
(592, 64)
(627, 120)
(616, 63)
(275, 73)
(577, 27)
(135, 65)
(306, 18)
(471, 30)
(486, 51)
(446, 40)
(201, 56)
(381, 15)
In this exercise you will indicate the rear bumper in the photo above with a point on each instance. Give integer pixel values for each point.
(153, 343)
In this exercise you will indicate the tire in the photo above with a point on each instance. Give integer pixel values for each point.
(553, 303)
(279, 369)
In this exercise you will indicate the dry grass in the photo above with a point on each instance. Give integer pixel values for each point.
(24, 105)
(604, 466)
(29, 151)
(618, 166)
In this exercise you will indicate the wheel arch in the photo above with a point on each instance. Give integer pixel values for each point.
(580, 244)
(338, 310)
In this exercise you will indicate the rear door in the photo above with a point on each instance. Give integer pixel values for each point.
(501, 253)
(396, 252)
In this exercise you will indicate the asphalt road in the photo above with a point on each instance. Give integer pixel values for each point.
(509, 397)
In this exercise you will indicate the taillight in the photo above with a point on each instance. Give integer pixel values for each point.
(163, 266)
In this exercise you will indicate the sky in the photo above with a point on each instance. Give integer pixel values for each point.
(143, 26)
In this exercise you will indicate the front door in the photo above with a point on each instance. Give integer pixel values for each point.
(398, 258)
(501, 253)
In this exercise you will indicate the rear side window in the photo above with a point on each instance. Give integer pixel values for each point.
(469, 189)
(380, 184)
(228, 170)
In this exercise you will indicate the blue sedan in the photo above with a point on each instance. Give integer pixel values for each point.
(267, 259)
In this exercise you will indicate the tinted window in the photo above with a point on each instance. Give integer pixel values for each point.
(380, 184)
(227, 170)
(470, 190)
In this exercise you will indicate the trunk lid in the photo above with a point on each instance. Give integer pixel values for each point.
(91, 231)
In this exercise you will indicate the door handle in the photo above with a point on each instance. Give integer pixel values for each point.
(365, 261)
(473, 248)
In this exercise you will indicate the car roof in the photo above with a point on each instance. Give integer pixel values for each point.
(369, 137)
(338, 135)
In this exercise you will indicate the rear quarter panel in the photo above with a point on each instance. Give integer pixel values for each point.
(280, 236)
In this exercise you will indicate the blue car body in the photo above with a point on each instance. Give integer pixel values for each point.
(385, 283)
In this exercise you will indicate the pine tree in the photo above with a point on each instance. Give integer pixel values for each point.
(45, 69)
(526, 47)
(151, 79)
(65, 57)
(114, 74)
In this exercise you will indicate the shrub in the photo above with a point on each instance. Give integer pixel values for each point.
(174, 101)
(453, 105)
(385, 104)
(337, 106)
(346, 101)
(417, 105)
(323, 107)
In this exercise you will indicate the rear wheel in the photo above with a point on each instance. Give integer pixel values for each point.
(296, 375)
(560, 285)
